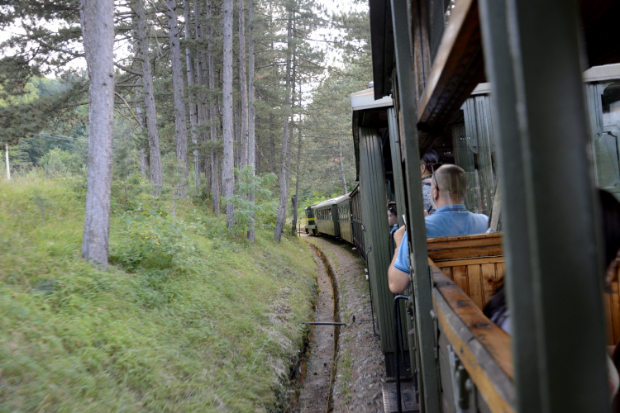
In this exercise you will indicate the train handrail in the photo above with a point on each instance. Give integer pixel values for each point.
(483, 348)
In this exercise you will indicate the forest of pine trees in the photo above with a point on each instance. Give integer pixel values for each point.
(185, 92)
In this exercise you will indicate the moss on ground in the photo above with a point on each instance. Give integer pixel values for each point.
(200, 323)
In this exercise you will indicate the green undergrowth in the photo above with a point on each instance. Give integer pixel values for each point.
(186, 319)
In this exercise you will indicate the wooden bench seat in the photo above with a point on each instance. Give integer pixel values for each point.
(476, 264)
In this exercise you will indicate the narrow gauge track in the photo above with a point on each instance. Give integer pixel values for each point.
(317, 366)
(357, 365)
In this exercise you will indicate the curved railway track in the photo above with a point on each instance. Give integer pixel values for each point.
(357, 372)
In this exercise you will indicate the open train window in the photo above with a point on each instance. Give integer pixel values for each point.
(611, 105)
(604, 104)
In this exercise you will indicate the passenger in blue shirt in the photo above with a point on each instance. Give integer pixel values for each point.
(448, 188)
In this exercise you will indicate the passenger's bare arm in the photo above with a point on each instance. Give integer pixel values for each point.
(397, 280)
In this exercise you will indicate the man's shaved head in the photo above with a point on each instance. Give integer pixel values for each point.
(451, 182)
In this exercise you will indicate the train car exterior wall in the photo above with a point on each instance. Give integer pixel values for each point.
(344, 219)
(376, 237)
(327, 220)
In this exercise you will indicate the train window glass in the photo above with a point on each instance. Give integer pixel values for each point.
(607, 142)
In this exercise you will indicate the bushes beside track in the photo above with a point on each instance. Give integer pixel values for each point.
(186, 319)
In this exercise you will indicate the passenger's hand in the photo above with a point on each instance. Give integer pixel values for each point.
(426, 214)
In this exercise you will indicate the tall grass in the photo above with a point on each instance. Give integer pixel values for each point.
(214, 327)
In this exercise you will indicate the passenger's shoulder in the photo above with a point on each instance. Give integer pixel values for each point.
(481, 216)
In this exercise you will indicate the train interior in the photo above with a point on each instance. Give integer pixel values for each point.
(475, 264)
(453, 113)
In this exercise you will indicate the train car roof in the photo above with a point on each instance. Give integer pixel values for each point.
(332, 201)
(593, 74)
(365, 99)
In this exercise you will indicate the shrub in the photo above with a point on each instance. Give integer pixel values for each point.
(151, 240)
(249, 213)
(130, 193)
(58, 161)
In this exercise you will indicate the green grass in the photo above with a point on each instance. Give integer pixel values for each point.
(215, 328)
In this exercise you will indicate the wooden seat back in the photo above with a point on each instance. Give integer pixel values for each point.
(475, 263)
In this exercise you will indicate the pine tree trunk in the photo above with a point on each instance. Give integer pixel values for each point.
(252, 117)
(143, 167)
(144, 160)
(149, 99)
(215, 161)
(293, 86)
(97, 21)
(237, 130)
(179, 95)
(243, 90)
(143, 155)
(342, 177)
(272, 146)
(227, 116)
(201, 81)
(296, 206)
(193, 115)
(281, 218)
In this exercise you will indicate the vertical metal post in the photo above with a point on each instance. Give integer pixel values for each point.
(416, 227)
(396, 164)
(560, 225)
(511, 175)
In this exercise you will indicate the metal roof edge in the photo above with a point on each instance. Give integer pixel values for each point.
(600, 73)
(365, 99)
(593, 74)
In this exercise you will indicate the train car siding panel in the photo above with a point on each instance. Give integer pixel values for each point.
(344, 220)
(325, 222)
(376, 236)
